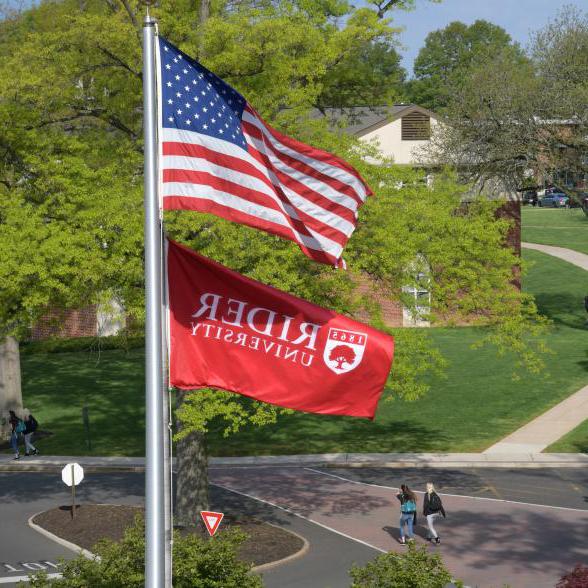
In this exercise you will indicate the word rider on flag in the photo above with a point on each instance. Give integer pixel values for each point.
(229, 331)
(219, 156)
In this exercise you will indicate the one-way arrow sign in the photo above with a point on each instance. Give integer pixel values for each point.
(212, 520)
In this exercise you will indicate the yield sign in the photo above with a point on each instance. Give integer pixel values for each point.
(211, 520)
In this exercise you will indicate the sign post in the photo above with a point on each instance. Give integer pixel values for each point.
(72, 474)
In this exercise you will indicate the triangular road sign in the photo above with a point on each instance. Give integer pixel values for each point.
(212, 520)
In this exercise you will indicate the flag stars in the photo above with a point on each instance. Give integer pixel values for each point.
(167, 66)
(188, 122)
(175, 59)
(170, 101)
(185, 71)
(187, 88)
(188, 105)
(179, 94)
(179, 111)
(204, 127)
(177, 77)
(169, 84)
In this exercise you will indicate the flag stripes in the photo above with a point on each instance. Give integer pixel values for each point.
(219, 156)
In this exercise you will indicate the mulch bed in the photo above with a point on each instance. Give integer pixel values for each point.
(93, 522)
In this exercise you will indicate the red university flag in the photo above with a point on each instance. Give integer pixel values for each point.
(231, 332)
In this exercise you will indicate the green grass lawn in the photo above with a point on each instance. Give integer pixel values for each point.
(575, 441)
(475, 406)
(564, 227)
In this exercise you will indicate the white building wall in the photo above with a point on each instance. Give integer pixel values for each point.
(389, 138)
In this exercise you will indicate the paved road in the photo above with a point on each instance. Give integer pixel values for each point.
(349, 516)
(486, 542)
(23, 550)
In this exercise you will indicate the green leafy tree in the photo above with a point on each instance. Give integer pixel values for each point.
(71, 188)
(520, 123)
(371, 76)
(449, 53)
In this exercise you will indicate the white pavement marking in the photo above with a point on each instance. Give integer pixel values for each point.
(569, 255)
(547, 428)
(453, 495)
(14, 579)
(293, 512)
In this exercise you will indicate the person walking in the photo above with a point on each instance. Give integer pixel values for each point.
(432, 509)
(31, 425)
(17, 427)
(408, 508)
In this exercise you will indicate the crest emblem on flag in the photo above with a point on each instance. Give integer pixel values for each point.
(344, 350)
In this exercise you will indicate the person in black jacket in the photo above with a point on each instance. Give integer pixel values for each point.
(30, 427)
(432, 509)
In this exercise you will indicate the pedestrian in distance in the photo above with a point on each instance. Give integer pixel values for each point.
(31, 426)
(17, 427)
(432, 509)
(408, 515)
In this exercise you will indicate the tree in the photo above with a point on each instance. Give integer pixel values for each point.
(518, 123)
(370, 76)
(342, 354)
(448, 55)
(71, 187)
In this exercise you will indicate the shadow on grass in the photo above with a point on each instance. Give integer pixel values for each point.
(562, 308)
(307, 434)
(111, 385)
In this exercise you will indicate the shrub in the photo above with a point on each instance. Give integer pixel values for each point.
(577, 578)
(416, 568)
(197, 563)
(56, 345)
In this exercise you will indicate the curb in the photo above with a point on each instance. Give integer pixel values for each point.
(89, 555)
(273, 564)
(352, 460)
(75, 548)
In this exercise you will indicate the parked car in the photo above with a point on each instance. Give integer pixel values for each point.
(555, 200)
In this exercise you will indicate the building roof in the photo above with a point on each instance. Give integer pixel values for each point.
(362, 119)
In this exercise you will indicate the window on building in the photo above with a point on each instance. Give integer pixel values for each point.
(416, 127)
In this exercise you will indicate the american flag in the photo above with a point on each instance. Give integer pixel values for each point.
(219, 156)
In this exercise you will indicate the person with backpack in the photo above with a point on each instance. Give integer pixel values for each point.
(17, 427)
(31, 426)
(432, 509)
(408, 515)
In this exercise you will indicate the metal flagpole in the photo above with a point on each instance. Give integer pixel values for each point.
(154, 473)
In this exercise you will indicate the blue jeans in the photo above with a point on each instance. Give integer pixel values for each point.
(14, 442)
(406, 519)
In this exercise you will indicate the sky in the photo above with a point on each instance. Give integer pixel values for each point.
(517, 17)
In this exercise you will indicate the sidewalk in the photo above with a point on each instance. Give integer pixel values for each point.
(546, 429)
(524, 459)
(569, 255)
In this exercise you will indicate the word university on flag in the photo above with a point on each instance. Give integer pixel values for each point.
(229, 331)
(219, 156)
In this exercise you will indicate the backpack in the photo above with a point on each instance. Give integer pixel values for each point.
(408, 506)
(434, 502)
(20, 427)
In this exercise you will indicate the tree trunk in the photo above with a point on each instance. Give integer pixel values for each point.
(10, 388)
(204, 12)
(191, 495)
